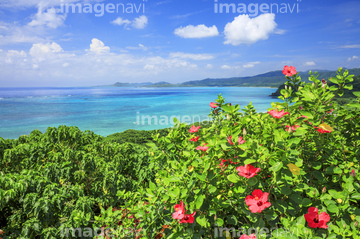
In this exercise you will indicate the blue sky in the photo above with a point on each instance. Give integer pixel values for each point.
(43, 44)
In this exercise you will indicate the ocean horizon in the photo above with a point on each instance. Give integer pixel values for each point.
(108, 110)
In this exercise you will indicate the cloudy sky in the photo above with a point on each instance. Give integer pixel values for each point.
(94, 42)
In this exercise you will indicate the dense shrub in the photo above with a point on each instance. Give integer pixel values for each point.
(293, 171)
(62, 179)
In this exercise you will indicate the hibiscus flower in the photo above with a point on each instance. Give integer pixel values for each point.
(277, 114)
(293, 128)
(214, 105)
(244, 236)
(203, 148)
(315, 220)
(179, 211)
(257, 202)
(240, 140)
(188, 218)
(194, 129)
(289, 71)
(195, 139)
(248, 171)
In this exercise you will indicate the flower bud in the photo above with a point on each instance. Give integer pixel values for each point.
(216, 112)
(230, 104)
(324, 190)
(353, 173)
(356, 224)
(244, 131)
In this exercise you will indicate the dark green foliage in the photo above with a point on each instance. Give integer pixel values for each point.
(142, 136)
(62, 178)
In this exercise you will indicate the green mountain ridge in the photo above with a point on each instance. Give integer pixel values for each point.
(269, 79)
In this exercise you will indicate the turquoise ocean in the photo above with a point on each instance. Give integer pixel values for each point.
(107, 110)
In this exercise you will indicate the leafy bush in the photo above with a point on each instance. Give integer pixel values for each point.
(63, 178)
(290, 173)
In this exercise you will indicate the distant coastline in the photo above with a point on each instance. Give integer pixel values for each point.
(272, 79)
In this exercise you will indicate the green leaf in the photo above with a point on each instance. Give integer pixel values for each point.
(356, 196)
(348, 87)
(333, 208)
(233, 178)
(175, 193)
(356, 105)
(199, 201)
(202, 177)
(201, 220)
(341, 93)
(212, 189)
(252, 181)
(276, 167)
(219, 222)
(152, 186)
(357, 93)
(337, 170)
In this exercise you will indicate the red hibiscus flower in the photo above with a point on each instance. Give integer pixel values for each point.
(322, 131)
(203, 148)
(323, 83)
(258, 201)
(229, 139)
(276, 114)
(240, 140)
(194, 129)
(179, 211)
(214, 105)
(222, 164)
(195, 139)
(244, 236)
(188, 218)
(289, 70)
(315, 220)
(293, 128)
(248, 171)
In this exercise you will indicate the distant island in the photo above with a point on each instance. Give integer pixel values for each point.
(272, 79)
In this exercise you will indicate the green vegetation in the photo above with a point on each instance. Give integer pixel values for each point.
(270, 174)
(63, 178)
(346, 98)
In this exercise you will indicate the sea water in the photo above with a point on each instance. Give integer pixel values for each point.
(107, 110)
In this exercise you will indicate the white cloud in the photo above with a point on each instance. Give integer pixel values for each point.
(351, 46)
(12, 53)
(251, 64)
(140, 47)
(209, 66)
(49, 18)
(199, 31)
(309, 63)
(246, 30)
(119, 21)
(66, 64)
(196, 57)
(353, 58)
(40, 51)
(140, 22)
(225, 67)
(98, 46)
